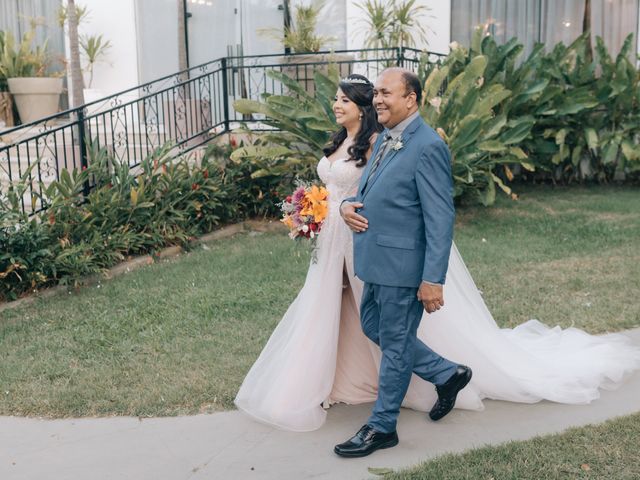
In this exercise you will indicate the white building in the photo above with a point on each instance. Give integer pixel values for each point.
(144, 33)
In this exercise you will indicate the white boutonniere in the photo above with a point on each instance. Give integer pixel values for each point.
(398, 145)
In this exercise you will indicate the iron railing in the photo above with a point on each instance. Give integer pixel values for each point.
(187, 109)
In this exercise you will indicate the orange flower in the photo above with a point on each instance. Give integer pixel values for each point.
(320, 211)
(288, 221)
(317, 194)
(315, 203)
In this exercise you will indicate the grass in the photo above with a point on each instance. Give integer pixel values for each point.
(607, 451)
(177, 337)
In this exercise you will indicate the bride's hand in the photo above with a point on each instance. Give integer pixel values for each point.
(431, 296)
(354, 221)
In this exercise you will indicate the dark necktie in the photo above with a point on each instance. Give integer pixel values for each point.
(377, 159)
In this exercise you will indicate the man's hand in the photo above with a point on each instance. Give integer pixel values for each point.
(354, 221)
(431, 297)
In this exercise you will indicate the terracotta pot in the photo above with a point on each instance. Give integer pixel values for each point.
(302, 68)
(35, 97)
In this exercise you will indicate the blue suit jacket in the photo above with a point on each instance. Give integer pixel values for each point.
(409, 205)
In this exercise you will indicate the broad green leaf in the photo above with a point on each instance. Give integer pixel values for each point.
(498, 180)
(592, 138)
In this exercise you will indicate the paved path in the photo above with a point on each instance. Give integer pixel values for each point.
(230, 446)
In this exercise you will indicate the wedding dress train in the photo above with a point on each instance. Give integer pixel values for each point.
(318, 355)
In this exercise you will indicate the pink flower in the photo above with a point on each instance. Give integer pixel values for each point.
(298, 195)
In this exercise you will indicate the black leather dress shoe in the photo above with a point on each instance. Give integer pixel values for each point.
(448, 391)
(365, 442)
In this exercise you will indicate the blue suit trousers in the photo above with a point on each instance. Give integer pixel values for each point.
(390, 317)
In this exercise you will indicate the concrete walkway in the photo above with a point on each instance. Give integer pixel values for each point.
(230, 446)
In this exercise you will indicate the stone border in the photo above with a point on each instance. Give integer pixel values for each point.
(144, 260)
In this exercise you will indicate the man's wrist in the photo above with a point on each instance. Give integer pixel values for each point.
(432, 283)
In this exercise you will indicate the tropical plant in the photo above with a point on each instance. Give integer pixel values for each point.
(94, 49)
(582, 111)
(165, 201)
(301, 36)
(393, 24)
(22, 60)
(464, 100)
(3, 77)
(303, 124)
(591, 122)
(82, 13)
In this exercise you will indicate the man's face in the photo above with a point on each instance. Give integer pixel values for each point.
(390, 99)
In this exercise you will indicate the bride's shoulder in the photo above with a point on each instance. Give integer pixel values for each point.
(372, 142)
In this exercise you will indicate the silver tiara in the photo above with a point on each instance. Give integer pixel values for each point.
(354, 80)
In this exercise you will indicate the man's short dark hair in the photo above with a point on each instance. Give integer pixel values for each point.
(412, 84)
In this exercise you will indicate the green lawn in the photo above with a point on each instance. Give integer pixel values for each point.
(604, 452)
(177, 337)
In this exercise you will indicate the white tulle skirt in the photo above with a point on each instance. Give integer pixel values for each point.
(317, 355)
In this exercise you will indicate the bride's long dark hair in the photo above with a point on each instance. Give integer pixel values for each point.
(359, 90)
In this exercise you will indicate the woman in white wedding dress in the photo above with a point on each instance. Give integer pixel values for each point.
(318, 355)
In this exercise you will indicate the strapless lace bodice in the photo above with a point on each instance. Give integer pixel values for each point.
(340, 177)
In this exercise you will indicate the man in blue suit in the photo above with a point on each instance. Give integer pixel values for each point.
(402, 218)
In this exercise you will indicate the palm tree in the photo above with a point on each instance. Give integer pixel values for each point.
(77, 83)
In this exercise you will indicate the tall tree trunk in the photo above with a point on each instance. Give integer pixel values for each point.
(77, 83)
(586, 27)
(181, 104)
(183, 64)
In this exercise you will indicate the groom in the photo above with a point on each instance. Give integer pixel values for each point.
(402, 219)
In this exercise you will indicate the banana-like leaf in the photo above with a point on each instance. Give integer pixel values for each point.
(518, 131)
(494, 146)
(591, 136)
(246, 106)
(434, 82)
(466, 133)
(267, 151)
(291, 84)
(501, 184)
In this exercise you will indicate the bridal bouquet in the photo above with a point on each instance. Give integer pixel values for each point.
(305, 210)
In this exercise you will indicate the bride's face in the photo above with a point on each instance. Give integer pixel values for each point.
(347, 112)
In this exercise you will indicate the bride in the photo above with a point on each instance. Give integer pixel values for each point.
(318, 355)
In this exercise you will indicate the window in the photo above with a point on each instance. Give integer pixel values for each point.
(16, 15)
(547, 21)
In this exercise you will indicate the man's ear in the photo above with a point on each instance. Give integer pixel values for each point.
(411, 100)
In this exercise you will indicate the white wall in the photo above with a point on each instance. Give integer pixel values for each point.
(144, 46)
(437, 19)
(115, 21)
(156, 38)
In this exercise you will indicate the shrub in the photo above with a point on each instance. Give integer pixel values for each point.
(165, 201)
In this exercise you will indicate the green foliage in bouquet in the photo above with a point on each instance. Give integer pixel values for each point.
(303, 124)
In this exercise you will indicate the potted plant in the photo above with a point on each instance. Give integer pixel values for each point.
(6, 105)
(94, 50)
(393, 24)
(25, 68)
(301, 39)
